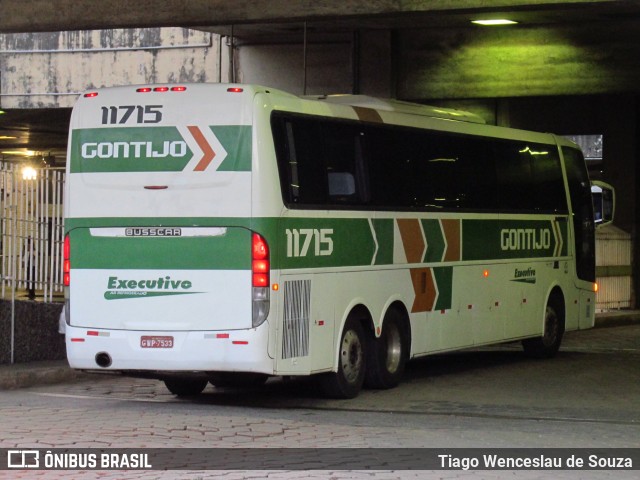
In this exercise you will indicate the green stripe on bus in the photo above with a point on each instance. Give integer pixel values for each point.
(227, 252)
(510, 239)
(435, 240)
(322, 242)
(157, 149)
(444, 281)
(236, 140)
(384, 237)
(128, 149)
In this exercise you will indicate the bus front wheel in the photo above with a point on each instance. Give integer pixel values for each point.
(347, 381)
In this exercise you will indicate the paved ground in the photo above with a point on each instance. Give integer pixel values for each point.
(589, 396)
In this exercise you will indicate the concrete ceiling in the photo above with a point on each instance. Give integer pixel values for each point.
(268, 21)
(45, 15)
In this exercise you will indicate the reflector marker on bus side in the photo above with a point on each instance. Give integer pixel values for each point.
(94, 333)
(214, 336)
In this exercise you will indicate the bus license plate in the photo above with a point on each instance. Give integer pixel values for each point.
(156, 342)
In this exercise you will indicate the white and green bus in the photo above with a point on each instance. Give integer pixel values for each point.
(228, 233)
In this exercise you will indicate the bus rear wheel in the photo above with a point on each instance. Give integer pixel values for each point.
(185, 387)
(347, 381)
(548, 344)
(387, 355)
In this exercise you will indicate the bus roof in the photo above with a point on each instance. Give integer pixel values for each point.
(391, 105)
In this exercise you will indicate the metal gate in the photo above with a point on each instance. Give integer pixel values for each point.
(614, 271)
(31, 231)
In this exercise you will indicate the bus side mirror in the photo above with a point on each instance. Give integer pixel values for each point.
(604, 202)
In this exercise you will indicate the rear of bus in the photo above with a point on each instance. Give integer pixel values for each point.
(164, 270)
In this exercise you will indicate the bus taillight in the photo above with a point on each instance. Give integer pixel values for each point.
(260, 279)
(66, 265)
(259, 261)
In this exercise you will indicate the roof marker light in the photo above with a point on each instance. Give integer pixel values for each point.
(494, 22)
(235, 90)
(90, 94)
(143, 89)
(178, 89)
(161, 89)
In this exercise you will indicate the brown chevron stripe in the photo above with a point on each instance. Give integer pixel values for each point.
(412, 240)
(451, 230)
(368, 115)
(424, 288)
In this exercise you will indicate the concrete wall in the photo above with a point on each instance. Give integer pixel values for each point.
(49, 69)
(514, 61)
(359, 63)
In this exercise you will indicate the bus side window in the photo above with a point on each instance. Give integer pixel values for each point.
(343, 164)
(321, 161)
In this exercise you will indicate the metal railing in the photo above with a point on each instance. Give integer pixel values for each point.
(31, 231)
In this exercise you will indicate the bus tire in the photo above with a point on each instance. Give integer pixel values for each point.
(348, 380)
(387, 355)
(184, 386)
(548, 344)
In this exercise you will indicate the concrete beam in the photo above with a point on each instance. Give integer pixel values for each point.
(58, 15)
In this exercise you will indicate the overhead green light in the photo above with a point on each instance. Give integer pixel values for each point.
(493, 22)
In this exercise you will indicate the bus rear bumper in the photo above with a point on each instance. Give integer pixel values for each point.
(162, 351)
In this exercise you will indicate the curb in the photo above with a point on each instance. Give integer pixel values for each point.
(615, 319)
(37, 373)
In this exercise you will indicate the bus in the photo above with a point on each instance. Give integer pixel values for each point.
(226, 234)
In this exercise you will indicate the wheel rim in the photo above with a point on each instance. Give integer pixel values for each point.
(551, 327)
(351, 356)
(394, 348)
